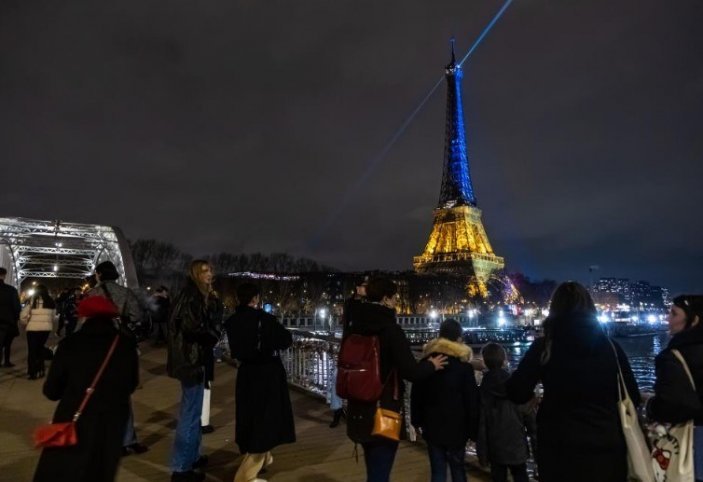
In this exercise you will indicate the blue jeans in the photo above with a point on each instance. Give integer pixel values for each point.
(379, 456)
(130, 435)
(335, 402)
(440, 457)
(186, 446)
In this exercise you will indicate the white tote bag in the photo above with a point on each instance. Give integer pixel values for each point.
(639, 461)
(672, 452)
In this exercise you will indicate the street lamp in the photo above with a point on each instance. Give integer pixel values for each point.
(322, 314)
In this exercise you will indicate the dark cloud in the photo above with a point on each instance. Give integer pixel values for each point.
(243, 125)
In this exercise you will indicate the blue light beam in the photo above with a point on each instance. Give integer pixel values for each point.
(485, 31)
(376, 160)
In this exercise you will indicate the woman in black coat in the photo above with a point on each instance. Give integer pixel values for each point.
(377, 318)
(445, 406)
(264, 416)
(578, 425)
(675, 401)
(102, 424)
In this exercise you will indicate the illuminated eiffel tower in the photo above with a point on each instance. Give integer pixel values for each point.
(458, 243)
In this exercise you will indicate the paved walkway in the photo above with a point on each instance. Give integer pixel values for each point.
(320, 455)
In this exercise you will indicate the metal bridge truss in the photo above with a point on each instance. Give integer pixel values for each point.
(32, 248)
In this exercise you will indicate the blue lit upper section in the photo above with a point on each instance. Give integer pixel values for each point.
(457, 189)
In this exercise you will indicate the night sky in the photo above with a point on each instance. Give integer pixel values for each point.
(242, 126)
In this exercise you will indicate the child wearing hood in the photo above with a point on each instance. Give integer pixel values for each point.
(503, 425)
(444, 407)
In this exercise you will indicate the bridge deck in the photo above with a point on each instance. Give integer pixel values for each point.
(320, 455)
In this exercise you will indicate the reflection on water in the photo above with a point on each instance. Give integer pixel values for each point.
(640, 351)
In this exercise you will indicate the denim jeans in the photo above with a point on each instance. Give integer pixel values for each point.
(335, 402)
(379, 456)
(440, 457)
(130, 435)
(186, 446)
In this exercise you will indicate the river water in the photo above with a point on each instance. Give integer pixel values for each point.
(640, 350)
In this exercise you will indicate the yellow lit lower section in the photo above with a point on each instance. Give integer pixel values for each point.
(459, 244)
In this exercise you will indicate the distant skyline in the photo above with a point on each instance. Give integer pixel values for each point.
(240, 127)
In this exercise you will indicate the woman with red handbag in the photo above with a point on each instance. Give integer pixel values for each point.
(93, 374)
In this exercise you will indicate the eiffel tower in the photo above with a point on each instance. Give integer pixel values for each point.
(458, 242)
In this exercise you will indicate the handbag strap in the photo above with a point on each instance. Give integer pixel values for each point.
(678, 355)
(108, 295)
(89, 391)
(622, 388)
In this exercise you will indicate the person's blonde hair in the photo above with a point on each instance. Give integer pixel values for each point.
(196, 267)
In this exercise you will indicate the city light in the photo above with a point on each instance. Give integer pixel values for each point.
(56, 267)
(322, 313)
(30, 292)
(501, 318)
(651, 319)
(603, 318)
(434, 314)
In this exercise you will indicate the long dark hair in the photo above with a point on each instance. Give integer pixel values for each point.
(41, 292)
(692, 305)
(569, 300)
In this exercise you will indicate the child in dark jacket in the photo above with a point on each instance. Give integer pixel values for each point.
(503, 425)
(444, 407)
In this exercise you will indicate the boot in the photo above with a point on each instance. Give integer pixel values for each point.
(338, 414)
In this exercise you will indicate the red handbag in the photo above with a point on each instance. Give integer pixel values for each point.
(64, 434)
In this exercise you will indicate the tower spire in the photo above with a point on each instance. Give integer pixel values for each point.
(458, 242)
(457, 189)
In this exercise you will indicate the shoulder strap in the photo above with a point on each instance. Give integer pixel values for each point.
(122, 310)
(107, 293)
(89, 391)
(622, 388)
(678, 355)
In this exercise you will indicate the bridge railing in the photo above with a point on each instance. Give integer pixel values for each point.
(311, 361)
(311, 366)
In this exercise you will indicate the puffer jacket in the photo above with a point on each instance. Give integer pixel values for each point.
(445, 405)
(39, 318)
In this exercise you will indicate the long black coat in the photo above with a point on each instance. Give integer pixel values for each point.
(9, 311)
(578, 426)
(445, 405)
(264, 416)
(102, 424)
(675, 400)
(373, 319)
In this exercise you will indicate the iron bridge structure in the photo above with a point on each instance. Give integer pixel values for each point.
(31, 248)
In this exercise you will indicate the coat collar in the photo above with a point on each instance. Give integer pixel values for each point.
(450, 348)
(692, 336)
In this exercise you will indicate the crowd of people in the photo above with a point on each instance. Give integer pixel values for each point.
(558, 407)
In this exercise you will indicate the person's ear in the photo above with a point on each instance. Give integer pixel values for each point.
(696, 320)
